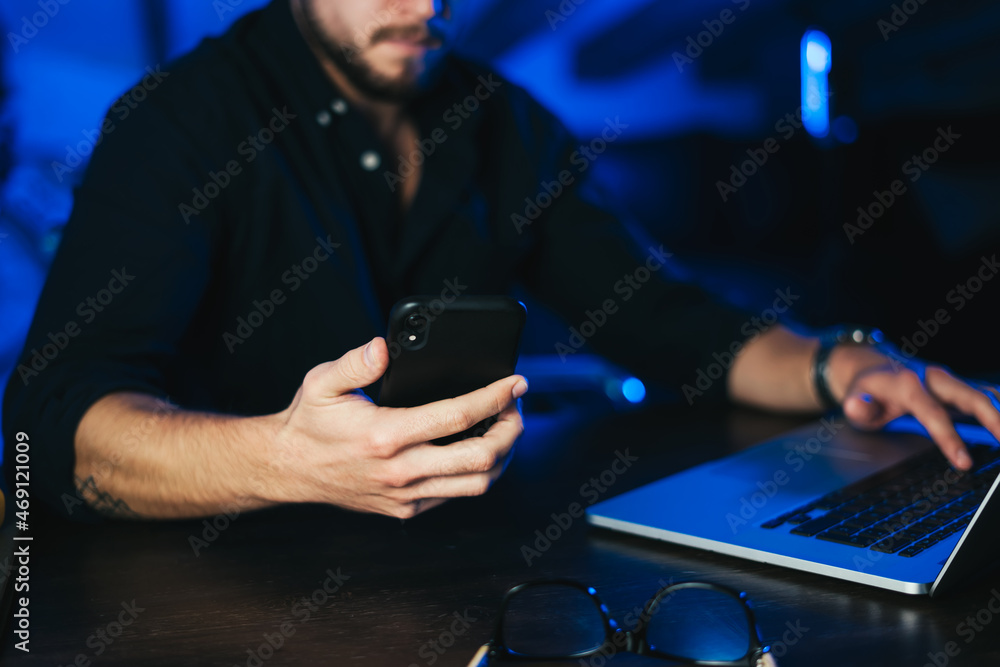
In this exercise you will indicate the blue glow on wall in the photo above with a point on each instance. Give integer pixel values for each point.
(845, 129)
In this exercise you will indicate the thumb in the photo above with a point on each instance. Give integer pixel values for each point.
(864, 411)
(358, 368)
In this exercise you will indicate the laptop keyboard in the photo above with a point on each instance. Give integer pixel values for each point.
(902, 510)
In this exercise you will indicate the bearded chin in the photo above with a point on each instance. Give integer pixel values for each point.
(363, 77)
(347, 58)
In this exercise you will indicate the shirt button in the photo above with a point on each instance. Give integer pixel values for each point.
(339, 106)
(370, 160)
(324, 118)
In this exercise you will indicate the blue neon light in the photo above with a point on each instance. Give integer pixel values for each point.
(816, 60)
(633, 390)
(818, 55)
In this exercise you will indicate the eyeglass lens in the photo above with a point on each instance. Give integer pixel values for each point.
(550, 620)
(699, 624)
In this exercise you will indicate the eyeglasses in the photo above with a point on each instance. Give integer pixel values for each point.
(691, 622)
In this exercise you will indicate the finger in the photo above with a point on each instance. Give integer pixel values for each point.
(454, 415)
(472, 455)
(865, 412)
(357, 368)
(968, 399)
(935, 419)
(453, 486)
(406, 509)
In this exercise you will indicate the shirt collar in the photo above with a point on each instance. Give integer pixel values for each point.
(284, 49)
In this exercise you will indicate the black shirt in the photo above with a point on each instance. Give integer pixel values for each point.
(238, 226)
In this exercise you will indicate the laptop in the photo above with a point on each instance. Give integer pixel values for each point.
(883, 509)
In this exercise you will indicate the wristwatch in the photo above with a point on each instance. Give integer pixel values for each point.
(830, 338)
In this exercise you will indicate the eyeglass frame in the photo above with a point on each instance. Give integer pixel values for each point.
(634, 641)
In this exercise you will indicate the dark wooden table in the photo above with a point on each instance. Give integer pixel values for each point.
(425, 592)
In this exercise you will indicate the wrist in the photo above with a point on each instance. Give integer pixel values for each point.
(847, 362)
(841, 355)
(260, 485)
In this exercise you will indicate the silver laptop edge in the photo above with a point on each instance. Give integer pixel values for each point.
(760, 556)
(710, 489)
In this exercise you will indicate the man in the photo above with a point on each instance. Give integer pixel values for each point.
(257, 214)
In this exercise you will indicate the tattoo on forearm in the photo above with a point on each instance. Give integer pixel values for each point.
(103, 502)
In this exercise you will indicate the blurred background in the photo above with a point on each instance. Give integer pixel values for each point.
(705, 87)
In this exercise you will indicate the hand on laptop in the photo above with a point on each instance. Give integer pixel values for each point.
(879, 389)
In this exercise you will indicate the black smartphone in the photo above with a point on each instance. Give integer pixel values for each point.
(440, 349)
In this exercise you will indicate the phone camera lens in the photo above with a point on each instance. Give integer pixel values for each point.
(417, 322)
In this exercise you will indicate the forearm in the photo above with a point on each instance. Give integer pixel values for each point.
(774, 371)
(139, 457)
